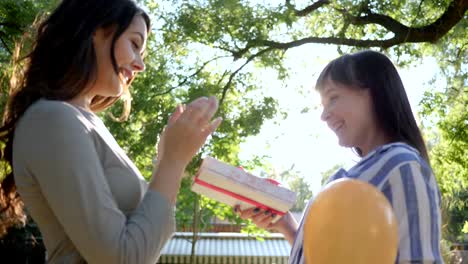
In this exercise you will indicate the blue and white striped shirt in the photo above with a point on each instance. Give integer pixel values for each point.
(407, 181)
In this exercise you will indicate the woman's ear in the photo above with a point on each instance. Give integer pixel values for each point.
(103, 33)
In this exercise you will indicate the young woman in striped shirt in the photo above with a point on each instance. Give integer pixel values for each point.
(366, 106)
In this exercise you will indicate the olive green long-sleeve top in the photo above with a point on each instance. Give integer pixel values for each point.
(89, 200)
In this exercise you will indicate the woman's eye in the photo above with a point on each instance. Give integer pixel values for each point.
(135, 45)
(333, 98)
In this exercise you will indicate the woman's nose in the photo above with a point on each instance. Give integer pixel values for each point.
(325, 114)
(138, 65)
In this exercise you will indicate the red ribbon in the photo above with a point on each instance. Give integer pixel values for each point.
(238, 197)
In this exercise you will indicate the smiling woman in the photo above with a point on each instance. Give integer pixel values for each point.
(342, 108)
(366, 106)
(127, 59)
(89, 200)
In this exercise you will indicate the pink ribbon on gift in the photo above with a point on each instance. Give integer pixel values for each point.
(240, 197)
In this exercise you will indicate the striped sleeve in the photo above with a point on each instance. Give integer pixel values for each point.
(413, 193)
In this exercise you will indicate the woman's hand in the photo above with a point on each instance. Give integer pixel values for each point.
(286, 225)
(186, 131)
(160, 145)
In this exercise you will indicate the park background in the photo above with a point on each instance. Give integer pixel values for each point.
(261, 59)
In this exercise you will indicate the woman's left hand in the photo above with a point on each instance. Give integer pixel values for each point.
(287, 224)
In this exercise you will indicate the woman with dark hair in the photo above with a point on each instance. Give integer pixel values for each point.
(89, 200)
(365, 105)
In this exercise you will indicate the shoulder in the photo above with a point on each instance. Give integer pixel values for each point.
(50, 108)
(397, 154)
(52, 115)
(390, 155)
(50, 127)
(49, 122)
(397, 149)
(378, 165)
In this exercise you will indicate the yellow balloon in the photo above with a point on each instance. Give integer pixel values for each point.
(352, 222)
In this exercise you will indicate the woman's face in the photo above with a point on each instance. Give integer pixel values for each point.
(349, 113)
(128, 52)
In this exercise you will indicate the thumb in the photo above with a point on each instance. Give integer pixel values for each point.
(213, 126)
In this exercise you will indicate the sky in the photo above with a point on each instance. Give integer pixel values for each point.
(302, 139)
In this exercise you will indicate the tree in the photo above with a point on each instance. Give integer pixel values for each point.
(292, 179)
(445, 122)
(213, 47)
(251, 35)
(303, 192)
(247, 32)
(16, 16)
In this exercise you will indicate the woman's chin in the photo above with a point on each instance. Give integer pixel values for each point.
(116, 92)
(344, 143)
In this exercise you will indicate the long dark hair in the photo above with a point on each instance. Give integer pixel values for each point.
(374, 71)
(60, 66)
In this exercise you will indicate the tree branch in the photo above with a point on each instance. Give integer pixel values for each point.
(185, 80)
(5, 44)
(309, 9)
(371, 18)
(233, 74)
(430, 33)
(433, 32)
(403, 34)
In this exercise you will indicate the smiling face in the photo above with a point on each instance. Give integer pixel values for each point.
(128, 51)
(349, 113)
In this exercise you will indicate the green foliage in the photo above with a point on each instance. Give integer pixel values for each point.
(303, 192)
(201, 48)
(446, 127)
(330, 172)
(449, 152)
(455, 208)
(291, 179)
(15, 16)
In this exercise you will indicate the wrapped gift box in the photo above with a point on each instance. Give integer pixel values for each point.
(234, 186)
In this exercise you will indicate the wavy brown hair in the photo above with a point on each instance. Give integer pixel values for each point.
(60, 66)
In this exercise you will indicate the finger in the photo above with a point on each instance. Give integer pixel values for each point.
(176, 114)
(209, 111)
(264, 222)
(249, 213)
(212, 126)
(197, 104)
(196, 109)
(270, 226)
(259, 218)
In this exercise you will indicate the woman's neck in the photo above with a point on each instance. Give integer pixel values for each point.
(82, 101)
(377, 139)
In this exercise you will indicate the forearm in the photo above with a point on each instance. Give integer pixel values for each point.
(166, 179)
(288, 228)
(289, 235)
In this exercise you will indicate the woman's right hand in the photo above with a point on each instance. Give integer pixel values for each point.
(187, 130)
(286, 225)
(185, 133)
